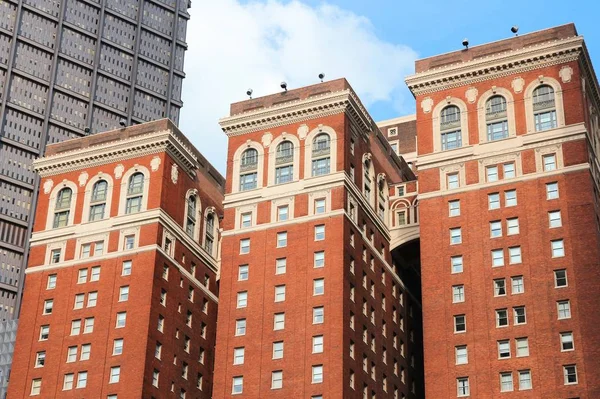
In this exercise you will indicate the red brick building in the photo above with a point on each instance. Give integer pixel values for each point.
(313, 304)
(507, 158)
(121, 297)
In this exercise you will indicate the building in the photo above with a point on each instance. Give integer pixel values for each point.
(121, 293)
(508, 175)
(313, 302)
(68, 68)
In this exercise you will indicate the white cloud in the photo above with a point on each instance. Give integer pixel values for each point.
(234, 46)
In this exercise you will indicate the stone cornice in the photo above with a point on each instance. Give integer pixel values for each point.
(496, 65)
(114, 151)
(299, 111)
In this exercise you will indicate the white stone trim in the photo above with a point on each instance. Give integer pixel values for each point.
(134, 231)
(237, 161)
(216, 241)
(125, 182)
(90, 239)
(371, 175)
(558, 101)
(273, 154)
(315, 195)
(436, 118)
(397, 121)
(196, 233)
(551, 149)
(239, 211)
(276, 203)
(499, 160)
(62, 245)
(510, 112)
(52, 204)
(449, 169)
(85, 213)
(308, 142)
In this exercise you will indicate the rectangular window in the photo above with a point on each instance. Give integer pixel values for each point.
(98, 249)
(515, 255)
(317, 374)
(155, 377)
(79, 299)
(82, 276)
(246, 219)
(71, 354)
(551, 190)
(277, 379)
(554, 219)
(55, 256)
(242, 299)
(462, 387)
(279, 321)
(237, 385)
(558, 248)
(570, 374)
(245, 246)
(461, 354)
(280, 266)
(506, 382)
(86, 350)
(121, 319)
(48, 305)
(115, 375)
(319, 286)
(319, 259)
(525, 380)
(451, 140)
(493, 201)
(455, 236)
(92, 299)
(40, 359)
(454, 208)
(512, 226)
(320, 232)
(118, 347)
(560, 278)
(123, 293)
(522, 345)
(75, 327)
(279, 293)
(68, 381)
(460, 323)
(564, 309)
(320, 205)
(129, 242)
(318, 315)
(44, 333)
(238, 355)
(549, 162)
(126, 269)
(282, 239)
(161, 323)
(88, 325)
(501, 318)
(158, 350)
(499, 287)
(278, 350)
(508, 170)
(497, 257)
(491, 173)
(248, 181)
(496, 229)
(519, 314)
(243, 273)
(283, 213)
(452, 181)
(284, 174)
(497, 130)
(51, 283)
(504, 349)
(457, 264)
(458, 293)
(518, 286)
(510, 198)
(86, 250)
(317, 344)
(566, 341)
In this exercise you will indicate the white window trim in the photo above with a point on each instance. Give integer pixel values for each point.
(52, 203)
(273, 155)
(553, 149)
(237, 161)
(464, 122)
(510, 114)
(216, 241)
(125, 182)
(135, 232)
(62, 245)
(558, 102)
(308, 142)
(450, 169)
(325, 194)
(88, 197)
(196, 233)
(239, 211)
(499, 161)
(275, 204)
(91, 240)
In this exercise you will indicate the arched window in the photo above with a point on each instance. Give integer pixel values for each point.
(321, 161)
(190, 222)
(62, 208)
(450, 128)
(209, 233)
(249, 170)
(544, 108)
(367, 181)
(98, 200)
(496, 118)
(284, 162)
(135, 193)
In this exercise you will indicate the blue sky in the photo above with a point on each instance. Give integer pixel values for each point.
(239, 44)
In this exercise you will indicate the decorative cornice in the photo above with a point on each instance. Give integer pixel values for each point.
(299, 111)
(118, 150)
(496, 65)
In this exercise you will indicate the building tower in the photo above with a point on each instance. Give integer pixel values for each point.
(68, 68)
(121, 293)
(508, 173)
(312, 302)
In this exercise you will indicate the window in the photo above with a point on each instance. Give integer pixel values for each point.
(320, 205)
(237, 386)
(558, 248)
(319, 259)
(519, 313)
(321, 155)
(246, 219)
(280, 266)
(506, 382)
(126, 270)
(496, 118)
(135, 191)
(551, 190)
(190, 220)
(278, 350)
(450, 128)
(564, 309)
(155, 376)
(249, 170)
(279, 293)
(495, 229)
(98, 250)
(317, 344)
(123, 293)
(512, 225)
(243, 273)
(455, 236)
(209, 234)
(522, 345)
(238, 355)
(570, 374)
(554, 218)
(240, 327)
(245, 246)
(458, 293)
(517, 285)
(515, 255)
(75, 327)
(283, 213)
(284, 162)
(319, 286)
(278, 321)
(51, 282)
(82, 379)
(48, 305)
(560, 278)
(161, 323)
(242, 299)
(454, 208)
(457, 264)
(86, 250)
(501, 318)
(129, 242)
(44, 333)
(121, 319)
(524, 380)
(549, 162)
(282, 239)
(510, 198)
(88, 325)
(544, 111)
(277, 379)
(320, 232)
(491, 173)
(462, 387)
(566, 341)
(317, 374)
(40, 359)
(508, 170)
(493, 201)
(62, 208)
(68, 381)
(55, 255)
(98, 200)
(92, 299)
(504, 349)
(318, 315)
(499, 287)
(460, 323)
(158, 350)
(82, 276)
(452, 181)
(461, 354)
(115, 375)
(497, 257)
(71, 354)
(118, 346)
(86, 350)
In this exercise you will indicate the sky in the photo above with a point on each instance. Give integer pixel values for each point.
(236, 45)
